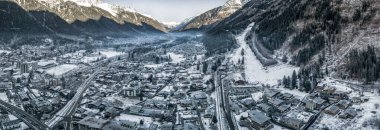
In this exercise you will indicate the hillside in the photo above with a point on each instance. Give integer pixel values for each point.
(210, 17)
(67, 17)
(319, 32)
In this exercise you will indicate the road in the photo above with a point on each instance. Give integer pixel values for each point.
(219, 111)
(28, 119)
(70, 107)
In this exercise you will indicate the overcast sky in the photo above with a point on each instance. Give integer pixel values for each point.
(169, 10)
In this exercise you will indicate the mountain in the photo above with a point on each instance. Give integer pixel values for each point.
(212, 16)
(85, 17)
(330, 33)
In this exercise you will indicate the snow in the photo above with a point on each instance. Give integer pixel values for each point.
(134, 118)
(110, 53)
(254, 70)
(153, 65)
(171, 24)
(4, 97)
(4, 51)
(90, 59)
(46, 62)
(295, 92)
(61, 69)
(36, 92)
(367, 113)
(257, 96)
(176, 58)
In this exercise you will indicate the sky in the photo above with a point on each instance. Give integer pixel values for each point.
(169, 10)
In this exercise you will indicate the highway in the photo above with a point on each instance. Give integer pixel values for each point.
(28, 119)
(70, 107)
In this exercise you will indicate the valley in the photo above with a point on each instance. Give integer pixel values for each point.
(244, 65)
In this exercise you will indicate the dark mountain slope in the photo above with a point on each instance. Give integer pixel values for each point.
(16, 20)
(322, 32)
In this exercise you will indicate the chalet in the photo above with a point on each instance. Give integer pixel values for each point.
(349, 113)
(332, 110)
(258, 120)
(344, 104)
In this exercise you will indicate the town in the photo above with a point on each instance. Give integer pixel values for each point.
(169, 85)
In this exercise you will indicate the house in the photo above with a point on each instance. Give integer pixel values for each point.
(349, 113)
(275, 102)
(293, 123)
(248, 102)
(4, 118)
(91, 123)
(344, 104)
(12, 124)
(265, 107)
(271, 93)
(312, 104)
(209, 112)
(166, 126)
(258, 120)
(130, 92)
(283, 108)
(332, 110)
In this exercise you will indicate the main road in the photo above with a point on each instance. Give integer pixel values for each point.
(28, 119)
(73, 103)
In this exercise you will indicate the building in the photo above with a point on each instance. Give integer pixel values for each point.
(91, 123)
(332, 110)
(10, 125)
(258, 120)
(24, 68)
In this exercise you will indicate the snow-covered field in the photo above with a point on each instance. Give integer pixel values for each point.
(134, 118)
(61, 69)
(90, 59)
(176, 58)
(110, 53)
(255, 72)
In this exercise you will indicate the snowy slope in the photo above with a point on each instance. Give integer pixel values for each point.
(255, 72)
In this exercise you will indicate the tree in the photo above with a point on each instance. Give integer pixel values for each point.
(198, 64)
(242, 52)
(141, 122)
(205, 66)
(157, 59)
(214, 119)
(307, 86)
(195, 57)
(294, 79)
(284, 81)
(285, 59)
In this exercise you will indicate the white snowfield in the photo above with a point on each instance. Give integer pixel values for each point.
(61, 69)
(110, 53)
(254, 70)
(176, 58)
(4, 51)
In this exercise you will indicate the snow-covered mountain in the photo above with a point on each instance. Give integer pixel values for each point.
(82, 15)
(212, 16)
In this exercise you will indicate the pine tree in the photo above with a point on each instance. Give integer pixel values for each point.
(205, 66)
(294, 80)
